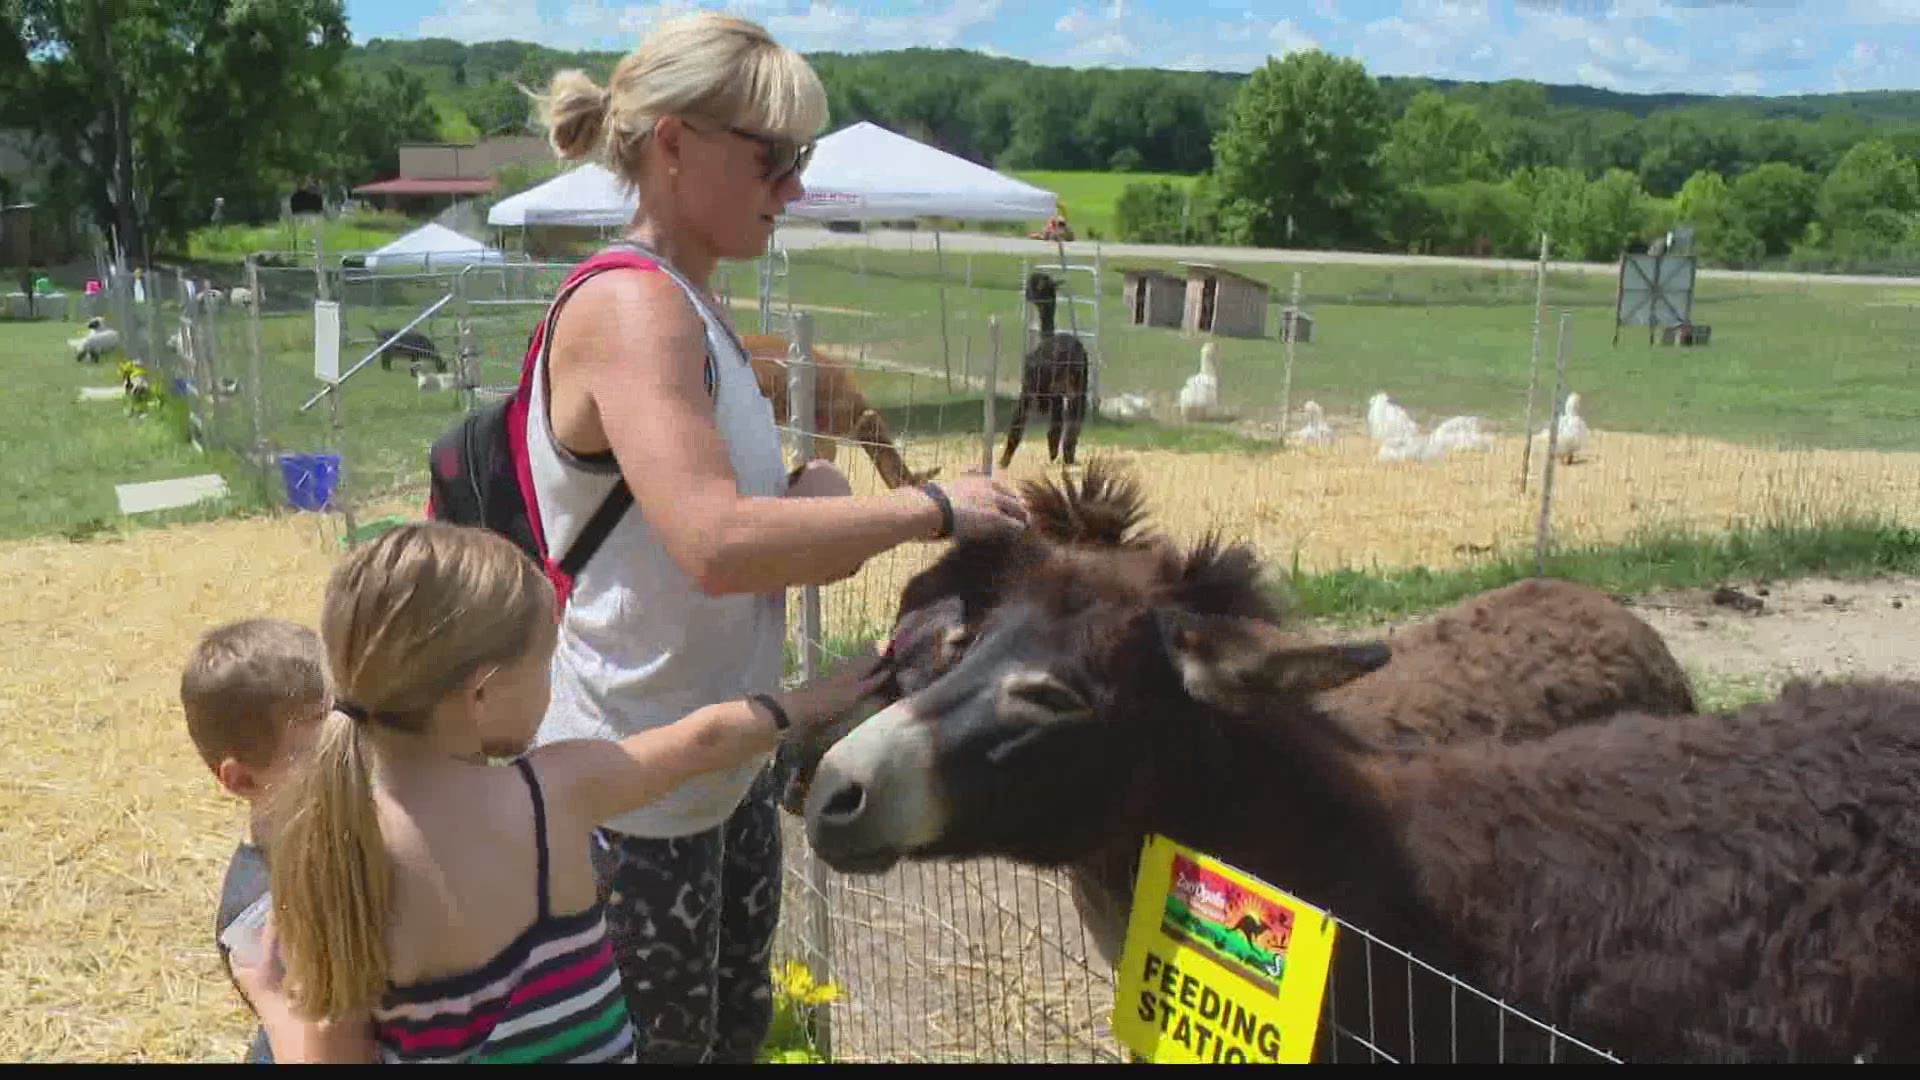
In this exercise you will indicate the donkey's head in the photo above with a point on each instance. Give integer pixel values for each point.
(943, 606)
(1100, 674)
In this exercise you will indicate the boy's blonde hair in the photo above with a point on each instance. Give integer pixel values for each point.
(717, 68)
(244, 685)
(408, 618)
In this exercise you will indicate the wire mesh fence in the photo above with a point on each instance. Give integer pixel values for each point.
(1794, 411)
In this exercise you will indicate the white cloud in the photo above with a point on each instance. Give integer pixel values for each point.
(1625, 45)
(1287, 38)
(808, 27)
(1873, 65)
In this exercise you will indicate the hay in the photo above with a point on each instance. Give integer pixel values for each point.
(1339, 506)
(115, 836)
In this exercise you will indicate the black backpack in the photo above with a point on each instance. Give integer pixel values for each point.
(478, 468)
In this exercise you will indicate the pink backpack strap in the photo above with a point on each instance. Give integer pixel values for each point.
(608, 259)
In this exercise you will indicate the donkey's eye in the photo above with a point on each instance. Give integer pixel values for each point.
(1045, 692)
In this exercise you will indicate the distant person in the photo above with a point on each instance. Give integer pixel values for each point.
(711, 122)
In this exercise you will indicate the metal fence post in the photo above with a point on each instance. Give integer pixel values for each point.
(992, 384)
(1553, 447)
(802, 383)
(1533, 364)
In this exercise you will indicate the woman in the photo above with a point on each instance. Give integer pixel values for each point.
(711, 122)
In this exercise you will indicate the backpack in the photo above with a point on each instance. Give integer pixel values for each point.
(478, 468)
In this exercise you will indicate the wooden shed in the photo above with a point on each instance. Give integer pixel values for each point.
(1223, 302)
(1154, 297)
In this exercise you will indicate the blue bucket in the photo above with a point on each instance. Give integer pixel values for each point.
(310, 479)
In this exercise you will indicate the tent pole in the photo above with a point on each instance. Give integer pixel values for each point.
(940, 271)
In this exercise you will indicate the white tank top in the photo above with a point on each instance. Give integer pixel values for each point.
(640, 646)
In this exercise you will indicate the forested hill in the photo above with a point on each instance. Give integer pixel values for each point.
(1016, 115)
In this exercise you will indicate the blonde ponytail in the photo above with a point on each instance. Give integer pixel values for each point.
(330, 879)
(575, 113)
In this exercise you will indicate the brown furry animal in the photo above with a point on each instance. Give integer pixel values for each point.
(840, 410)
(1518, 662)
(1740, 888)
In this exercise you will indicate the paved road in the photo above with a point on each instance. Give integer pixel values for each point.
(804, 237)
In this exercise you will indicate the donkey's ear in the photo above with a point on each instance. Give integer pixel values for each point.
(1235, 663)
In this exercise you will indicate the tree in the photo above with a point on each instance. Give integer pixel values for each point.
(1867, 203)
(152, 108)
(1438, 142)
(1774, 202)
(1151, 213)
(1302, 145)
(1705, 201)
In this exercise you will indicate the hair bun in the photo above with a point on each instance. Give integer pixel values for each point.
(576, 114)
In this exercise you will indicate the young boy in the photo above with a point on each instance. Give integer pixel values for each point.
(254, 692)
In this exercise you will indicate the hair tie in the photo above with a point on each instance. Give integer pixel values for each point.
(352, 710)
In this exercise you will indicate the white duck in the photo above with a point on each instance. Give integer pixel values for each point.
(1200, 397)
(1127, 406)
(1386, 420)
(1316, 431)
(1459, 433)
(1572, 437)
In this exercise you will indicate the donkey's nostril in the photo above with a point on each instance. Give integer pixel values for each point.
(845, 805)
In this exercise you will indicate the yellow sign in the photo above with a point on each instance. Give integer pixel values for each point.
(1219, 966)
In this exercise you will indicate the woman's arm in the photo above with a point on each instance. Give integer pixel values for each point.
(627, 374)
(601, 781)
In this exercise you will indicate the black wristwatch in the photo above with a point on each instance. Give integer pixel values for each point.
(940, 499)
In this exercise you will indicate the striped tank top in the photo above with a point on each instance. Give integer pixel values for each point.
(552, 995)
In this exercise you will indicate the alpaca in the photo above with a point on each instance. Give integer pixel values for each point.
(1696, 888)
(1054, 374)
(840, 410)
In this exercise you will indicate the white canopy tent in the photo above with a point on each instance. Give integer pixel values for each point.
(588, 196)
(433, 243)
(864, 172)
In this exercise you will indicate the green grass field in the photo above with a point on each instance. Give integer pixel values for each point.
(1088, 198)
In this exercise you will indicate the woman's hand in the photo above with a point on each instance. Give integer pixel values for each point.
(983, 507)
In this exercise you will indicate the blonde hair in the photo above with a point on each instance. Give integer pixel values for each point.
(407, 619)
(714, 67)
(244, 685)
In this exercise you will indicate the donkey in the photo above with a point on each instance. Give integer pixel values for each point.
(1736, 888)
(1514, 663)
(1054, 374)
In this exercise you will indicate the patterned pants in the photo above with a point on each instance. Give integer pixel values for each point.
(692, 920)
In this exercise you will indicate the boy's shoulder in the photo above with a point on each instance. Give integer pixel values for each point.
(246, 881)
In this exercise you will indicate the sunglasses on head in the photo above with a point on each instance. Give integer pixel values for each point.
(784, 156)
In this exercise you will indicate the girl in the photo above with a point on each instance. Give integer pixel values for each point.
(429, 906)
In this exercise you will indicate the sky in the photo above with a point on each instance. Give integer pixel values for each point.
(1763, 47)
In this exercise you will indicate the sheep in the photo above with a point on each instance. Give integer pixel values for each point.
(432, 383)
(1200, 397)
(99, 341)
